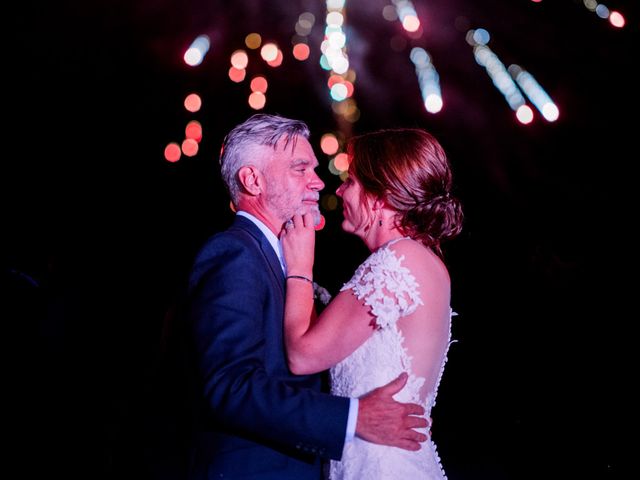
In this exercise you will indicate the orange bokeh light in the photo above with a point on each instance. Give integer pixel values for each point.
(239, 59)
(616, 19)
(349, 86)
(411, 23)
(172, 152)
(277, 61)
(193, 130)
(333, 79)
(253, 40)
(257, 100)
(329, 144)
(189, 147)
(341, 162)
(259, 84)
(193, 102)
(237, 75)
(301, 51)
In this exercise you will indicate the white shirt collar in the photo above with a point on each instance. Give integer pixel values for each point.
(271, 237)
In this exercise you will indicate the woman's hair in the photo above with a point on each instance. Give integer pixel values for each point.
(408, 168)
(239, 146)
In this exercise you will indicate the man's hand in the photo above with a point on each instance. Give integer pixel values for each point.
(384, 421)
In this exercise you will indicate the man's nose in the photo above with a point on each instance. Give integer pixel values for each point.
(316, 184)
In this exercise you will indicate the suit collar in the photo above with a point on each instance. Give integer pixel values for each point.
(266, 231)
(267, 249)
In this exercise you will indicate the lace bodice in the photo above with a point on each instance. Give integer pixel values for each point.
(391, 290)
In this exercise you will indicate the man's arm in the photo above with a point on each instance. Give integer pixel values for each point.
(235, 321)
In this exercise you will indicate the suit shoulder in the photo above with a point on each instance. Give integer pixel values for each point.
(232, 239)
(225, 251)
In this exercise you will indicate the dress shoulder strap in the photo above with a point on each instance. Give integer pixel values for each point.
(385, 285)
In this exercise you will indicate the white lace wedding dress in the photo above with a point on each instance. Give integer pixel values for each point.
(391, 291)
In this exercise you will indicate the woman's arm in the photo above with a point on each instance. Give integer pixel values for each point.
(345, 323)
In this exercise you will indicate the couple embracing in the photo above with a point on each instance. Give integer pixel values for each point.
(258, 346)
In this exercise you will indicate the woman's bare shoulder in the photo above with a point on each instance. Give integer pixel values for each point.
(424, 264)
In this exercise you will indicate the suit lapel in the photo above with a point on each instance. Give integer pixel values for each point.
(267, 250)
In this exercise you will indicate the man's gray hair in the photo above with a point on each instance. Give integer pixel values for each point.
(239, 146)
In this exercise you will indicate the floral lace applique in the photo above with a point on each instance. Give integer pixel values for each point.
(386, 286)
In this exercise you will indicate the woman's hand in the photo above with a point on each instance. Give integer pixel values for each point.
(298, 239)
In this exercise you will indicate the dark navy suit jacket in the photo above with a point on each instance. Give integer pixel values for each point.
(257, 419)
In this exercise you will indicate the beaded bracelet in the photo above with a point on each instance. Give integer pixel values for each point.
(300, 277)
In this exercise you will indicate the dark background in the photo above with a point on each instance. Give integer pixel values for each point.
(99, 229)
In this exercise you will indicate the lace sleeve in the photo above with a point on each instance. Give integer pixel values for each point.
(386, 286)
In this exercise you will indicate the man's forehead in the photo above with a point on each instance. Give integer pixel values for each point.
(298, 147)
(290, 142)
(297, 152)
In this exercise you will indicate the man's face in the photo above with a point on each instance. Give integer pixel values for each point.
(293, 185)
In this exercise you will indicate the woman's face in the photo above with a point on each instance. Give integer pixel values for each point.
(356, 207)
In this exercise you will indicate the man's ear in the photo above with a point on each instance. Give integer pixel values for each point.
(250, 179)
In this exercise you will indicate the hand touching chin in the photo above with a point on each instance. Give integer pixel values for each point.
(313, 210)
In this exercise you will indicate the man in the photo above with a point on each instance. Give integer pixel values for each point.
(258, 420)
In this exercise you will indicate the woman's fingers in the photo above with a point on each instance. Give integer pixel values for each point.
(308, 220)
(301, 221)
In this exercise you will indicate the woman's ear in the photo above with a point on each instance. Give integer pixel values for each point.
(378, 204)
(250, 179)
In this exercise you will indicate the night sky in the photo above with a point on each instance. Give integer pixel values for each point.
(100, 230)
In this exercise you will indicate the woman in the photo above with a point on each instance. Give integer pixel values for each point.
(394, 314)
